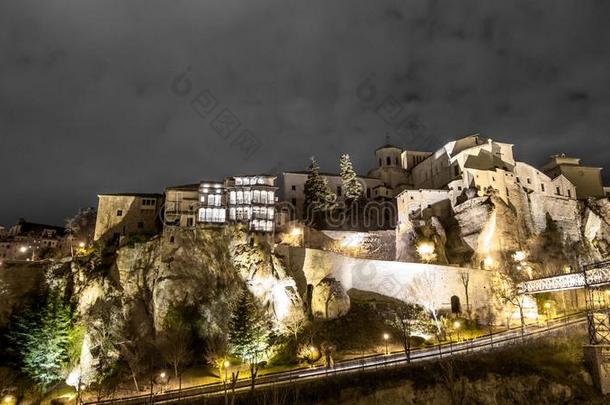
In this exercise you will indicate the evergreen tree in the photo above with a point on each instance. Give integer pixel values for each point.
(41, 339)
(248, 329)
(318, 196)
(352, 188)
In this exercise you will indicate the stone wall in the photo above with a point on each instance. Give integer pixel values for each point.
(399, 280)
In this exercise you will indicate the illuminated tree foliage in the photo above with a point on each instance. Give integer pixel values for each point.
(352, 189)
(318, 196)
(249, 329)
(41, 339)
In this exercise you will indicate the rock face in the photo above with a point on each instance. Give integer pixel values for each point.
(125, 295)
(329, 299)
(557, 229)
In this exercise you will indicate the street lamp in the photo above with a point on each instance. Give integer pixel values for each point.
(81, 245)
(456, 326)
(226, 365)
(547, 307)
(385, 338)
(23, 249)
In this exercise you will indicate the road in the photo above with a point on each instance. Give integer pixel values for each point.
(371, 363)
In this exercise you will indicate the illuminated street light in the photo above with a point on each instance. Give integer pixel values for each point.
(547, 307)
(23, 249)
(385, 338)
(226, 365)
(162, 375)
(81, 245)
(456, 326)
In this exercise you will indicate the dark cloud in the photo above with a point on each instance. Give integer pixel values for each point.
(86, 104)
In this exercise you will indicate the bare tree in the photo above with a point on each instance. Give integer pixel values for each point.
(424, 291)
(134, 355)
(294, 322)
(455, 384)
(465, 279)
(175, 342)
(216, 352)
(490, 319)
(505, 289)
(406, 319)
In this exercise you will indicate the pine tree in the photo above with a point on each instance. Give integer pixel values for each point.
(248, 329)
(41, 340)
(352, 188)
(318, 196)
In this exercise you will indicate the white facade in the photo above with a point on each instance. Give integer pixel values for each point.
(246, 199)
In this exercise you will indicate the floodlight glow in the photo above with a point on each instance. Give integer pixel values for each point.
(296, 231)
(22, 249)
(488, 261)
(425, 248)
(519, 256)
(351, 241)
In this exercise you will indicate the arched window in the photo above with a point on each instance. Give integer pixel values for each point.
(396, 161)
(456, 308)
(380, 162)
(388, 161)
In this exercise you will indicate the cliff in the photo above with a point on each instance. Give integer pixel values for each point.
(124, 295)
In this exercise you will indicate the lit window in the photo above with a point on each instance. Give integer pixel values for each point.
(270, 212)
(256, 196)
(240, 197)
(263, 197)
(247, 197)
(238, 181)
(232, 197)
(270, 197)
(232, 214)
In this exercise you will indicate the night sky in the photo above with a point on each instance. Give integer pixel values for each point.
(87, 103)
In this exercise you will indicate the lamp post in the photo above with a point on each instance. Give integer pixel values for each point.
(547, 308)
(385, 338)
(226, 365)
(456, 326)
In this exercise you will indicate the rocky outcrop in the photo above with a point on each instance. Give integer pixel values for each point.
(124, 295)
